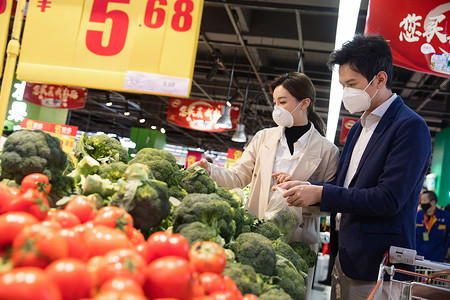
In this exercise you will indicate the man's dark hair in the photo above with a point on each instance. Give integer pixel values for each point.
(431, 195)
(367, 55)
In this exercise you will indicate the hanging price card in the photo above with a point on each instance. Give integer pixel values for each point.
(5, 15)
(146, 46)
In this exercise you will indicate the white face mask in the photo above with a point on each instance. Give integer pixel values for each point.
(283, 117)
(356, 100)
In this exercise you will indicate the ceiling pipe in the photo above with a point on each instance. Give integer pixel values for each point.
(247, 54)
(300, 42)
(428, 99)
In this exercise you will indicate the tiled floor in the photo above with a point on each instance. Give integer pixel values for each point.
(320, 292)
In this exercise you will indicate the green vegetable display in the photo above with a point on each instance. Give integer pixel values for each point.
(305, 252)
(197, 231)
(101, 147)
(113, 171)
(244, 276)
(197, 180)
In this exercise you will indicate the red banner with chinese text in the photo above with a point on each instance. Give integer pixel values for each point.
(347, 124)
(192, 157)
(55, 96)
(200, 115)
(418, 32)
(232, 157)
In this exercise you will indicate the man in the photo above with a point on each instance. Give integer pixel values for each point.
(380, 173)
(432, 229)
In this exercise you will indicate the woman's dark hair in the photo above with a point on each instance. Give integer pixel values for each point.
(300, 86)
(365, 54)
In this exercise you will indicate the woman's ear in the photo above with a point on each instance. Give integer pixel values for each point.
(305, 103)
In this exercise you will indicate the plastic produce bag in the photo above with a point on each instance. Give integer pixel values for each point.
(286, 218)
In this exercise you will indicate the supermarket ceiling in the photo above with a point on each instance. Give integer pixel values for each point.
(267, 38)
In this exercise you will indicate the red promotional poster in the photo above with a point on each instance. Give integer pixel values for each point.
(192, 157)
(200, 115)
(55, 96)
(232, 157)
(418, 32)
(347, 124)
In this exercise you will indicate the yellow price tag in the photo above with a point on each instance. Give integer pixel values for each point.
(133, 46)
(5, 17)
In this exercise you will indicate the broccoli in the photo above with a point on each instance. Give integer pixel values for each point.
(70, 165)
(268, 229)
(230, 196)
(94, 184)
(208, 209)
(146, 200)
(238, 218)
(305, 252)
(250, 222)
(230, 255)
(244, 276)
(283, 249)
(113, 171)
(162, 164)
(86, 166)
(289, 279)
(32, 151)
(255, 250)
(198, 231)
(101, 147)
(197, 180)
(287, 222)
(177, 192)
(275, 294)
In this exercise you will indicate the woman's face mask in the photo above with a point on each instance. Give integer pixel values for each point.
(356, 100)
(283, 117)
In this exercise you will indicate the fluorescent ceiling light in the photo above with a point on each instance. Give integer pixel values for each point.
(346, 26)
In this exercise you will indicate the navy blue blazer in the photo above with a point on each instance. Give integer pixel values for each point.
(379, 207)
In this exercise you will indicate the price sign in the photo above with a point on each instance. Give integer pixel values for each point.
(146, 46)
(5, 15)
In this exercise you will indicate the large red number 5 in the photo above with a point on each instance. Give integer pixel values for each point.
(150, 11)
(119, 28)
(2, 6)
(182, 14)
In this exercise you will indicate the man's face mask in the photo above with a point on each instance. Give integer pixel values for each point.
(356, 100)
(425, 206)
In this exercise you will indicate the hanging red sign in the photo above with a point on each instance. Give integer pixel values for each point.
(233, 156)
(200, 115)
(347, 124)
(192, 157)
(55, 96)
(418, 32)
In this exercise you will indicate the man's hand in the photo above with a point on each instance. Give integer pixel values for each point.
(300, 193)
(281, 177)
(204, 164)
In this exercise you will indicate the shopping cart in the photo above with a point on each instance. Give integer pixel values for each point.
(432, 279)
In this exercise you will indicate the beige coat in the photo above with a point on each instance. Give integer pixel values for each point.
(318, 162)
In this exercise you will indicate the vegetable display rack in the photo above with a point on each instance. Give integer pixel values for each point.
(431, 279)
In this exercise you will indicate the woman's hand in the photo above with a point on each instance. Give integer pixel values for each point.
(281, 177)
(204, 164)
(300, 193)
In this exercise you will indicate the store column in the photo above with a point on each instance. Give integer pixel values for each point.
(440, 165)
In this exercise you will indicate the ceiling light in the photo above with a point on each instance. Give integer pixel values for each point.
(108, 103)
(153, 127)
(141, 120)
(126, 113)
(346, 26)
(239, 135)
(224, 120)
(163, 130)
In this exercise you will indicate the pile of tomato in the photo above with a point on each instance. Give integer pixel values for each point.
(81, 252)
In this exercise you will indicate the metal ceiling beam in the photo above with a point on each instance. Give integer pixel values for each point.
(247, 54)
(430, 97)
(300, 41)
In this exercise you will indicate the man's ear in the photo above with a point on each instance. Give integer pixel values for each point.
(381, 79)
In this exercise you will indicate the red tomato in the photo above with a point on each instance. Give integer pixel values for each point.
(75, 247)
(207, 257)
(250, 297)
(6, 196)
(144, 250)
(12, 223)
(122, 284)
(211, 282)
(101, 239)
(27, 283)
(36, 181)
(136, 236)
(30, 201)
(223, 295)
(115, 217)
(82, 207)
(231, 286)
(122, 262)
(83, 228)
(162, 244)
(71, 276)
(37, 246)
(67, 219)
(94, 265)
(167, 277)
(114, 295)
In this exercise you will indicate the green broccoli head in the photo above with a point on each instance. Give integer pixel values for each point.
(196, 180)
(255, 250)
(32, 151)
(105, 149)
(283, 249)
(275, 294)
(113, 171)
(162, 164)
(177, 192)
(244, 276)
(197, 231)
(208, 209)
(230, 196)
(305, 252)
(251, 221)
(268, 229)
(289, 279)
(287, 222)
(146, 200)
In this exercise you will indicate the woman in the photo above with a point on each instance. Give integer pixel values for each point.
(296, 148)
